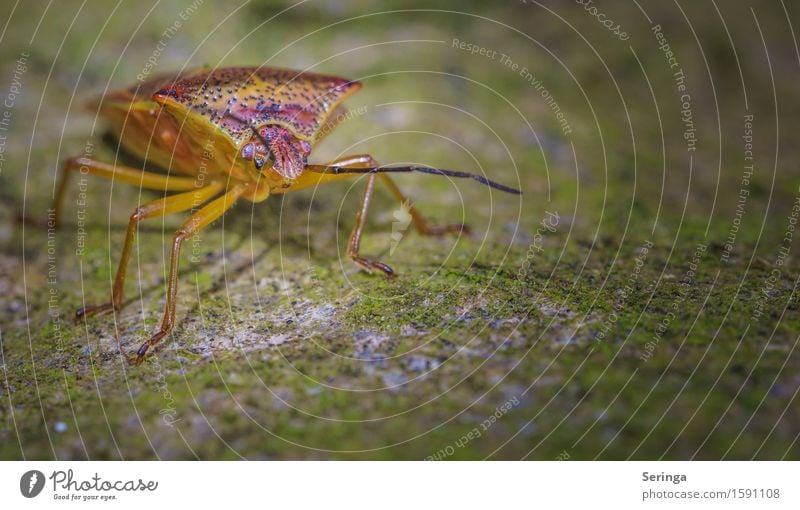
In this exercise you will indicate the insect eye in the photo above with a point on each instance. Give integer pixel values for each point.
(248, 151)
(262, 157)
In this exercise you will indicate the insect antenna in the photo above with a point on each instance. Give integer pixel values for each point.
(380, 170)
(413, 168)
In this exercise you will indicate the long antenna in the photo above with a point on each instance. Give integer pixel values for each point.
(413, 168)
(380, 170)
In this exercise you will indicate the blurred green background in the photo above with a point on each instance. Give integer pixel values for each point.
(522, 341)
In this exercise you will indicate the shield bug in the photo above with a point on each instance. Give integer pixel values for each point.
(251, 130)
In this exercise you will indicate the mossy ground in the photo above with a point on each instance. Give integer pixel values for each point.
(578, 343)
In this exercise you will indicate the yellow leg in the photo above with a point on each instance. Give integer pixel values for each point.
(156, 208)
(125, 174)
(422, 226)
(195, 223)
(354, 243)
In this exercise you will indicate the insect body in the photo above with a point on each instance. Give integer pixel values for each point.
(253, 130)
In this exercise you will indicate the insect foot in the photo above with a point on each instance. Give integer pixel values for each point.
(142, 352)
(87, 311)
(371, 265)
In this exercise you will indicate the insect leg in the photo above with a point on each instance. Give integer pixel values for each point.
(195, 223)
(362, 161)
(367, 161)
(156, 208)
(121, 173)
(420, 224)
(355, 237)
